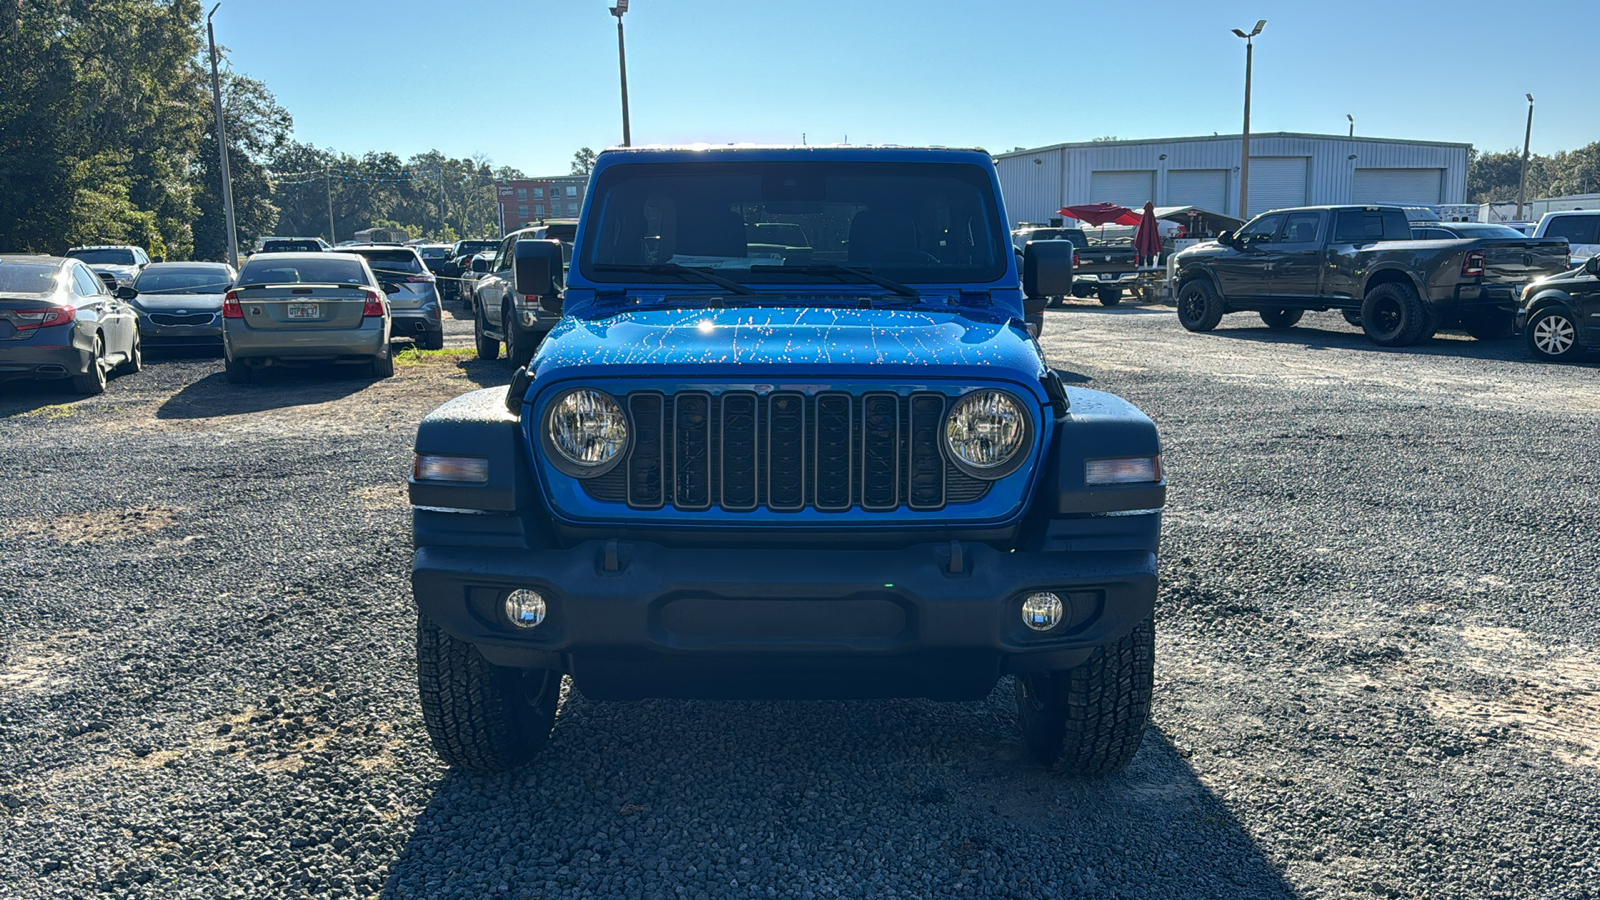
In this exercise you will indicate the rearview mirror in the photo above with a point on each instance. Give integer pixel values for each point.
(536, 272)
(1592, 266)
(480, 265)
(1047, 268)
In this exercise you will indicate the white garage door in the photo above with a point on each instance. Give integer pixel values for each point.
(1276, 182)
(1130, 189)
(1397, 185)
(1205, 188)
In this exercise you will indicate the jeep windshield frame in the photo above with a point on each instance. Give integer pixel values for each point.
(929, 223)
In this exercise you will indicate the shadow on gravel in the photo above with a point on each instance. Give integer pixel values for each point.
(20, 398)
(1444, 345)
(894, 798)
(214, 396)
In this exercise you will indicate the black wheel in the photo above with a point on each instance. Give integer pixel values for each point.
(93, 381)
(1110, 296)
(488, 347)
(1353, 316)
(237, 371)
(1490, 325)
(1199, 307)
(1056, 302)
(1083, 291)
(519, 344)
(1281, 318)
(383, 364)
(481, 717)
(1393, 315)
(1088, 720)
(135, 361)
(430, 341)
(1553, 335)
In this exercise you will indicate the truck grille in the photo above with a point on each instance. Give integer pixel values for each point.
(786, 451)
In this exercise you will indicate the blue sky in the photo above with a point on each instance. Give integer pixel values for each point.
(529, 81)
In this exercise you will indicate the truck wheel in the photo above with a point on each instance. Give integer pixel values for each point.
(481, 717)
(1082, 291)
(93, 381)
(1199, 307)
(488, 347)
(1353, 316)
(1490, 325)
(1393, 315)
(1280, 319)
(1110, 296)
(1552, 335)
(519, 344)
(1088, 720)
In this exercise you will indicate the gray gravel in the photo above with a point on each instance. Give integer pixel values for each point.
(1376, 672)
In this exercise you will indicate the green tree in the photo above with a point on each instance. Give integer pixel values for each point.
(257, 128)
(583, 161)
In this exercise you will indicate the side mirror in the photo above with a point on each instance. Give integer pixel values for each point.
(1047, 268)
(126, 292)
(536, 272)
(1592, 266)
(1226, 239)
(480, 265)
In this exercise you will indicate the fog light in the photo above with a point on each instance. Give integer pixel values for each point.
(525, 608)
(1041, 612)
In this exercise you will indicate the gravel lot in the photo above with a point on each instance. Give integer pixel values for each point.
(1377, 669)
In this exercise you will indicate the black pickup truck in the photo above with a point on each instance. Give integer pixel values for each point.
(1362, 260)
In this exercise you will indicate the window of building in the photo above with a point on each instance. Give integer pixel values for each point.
(522, 211)
(538, 209)
(572, 191)
(522, 194)
(572, 209)
(538, 193)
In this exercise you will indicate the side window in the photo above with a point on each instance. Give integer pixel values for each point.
(86, 283)
(1576, 229)
(1301, 228)
(503, 261)
(1360, 226)
(1262, 230)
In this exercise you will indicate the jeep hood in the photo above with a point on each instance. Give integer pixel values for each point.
(788, 339)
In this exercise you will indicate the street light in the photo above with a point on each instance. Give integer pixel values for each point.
(1244, 149)
(622, 63)
(222, 145)
(1527, 136)
(1352, 124)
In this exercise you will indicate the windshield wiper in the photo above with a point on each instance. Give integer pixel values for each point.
(831, 269)
(676, 269)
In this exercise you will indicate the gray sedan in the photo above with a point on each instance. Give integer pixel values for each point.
(180, 304)
(57, 320)
(305, 308)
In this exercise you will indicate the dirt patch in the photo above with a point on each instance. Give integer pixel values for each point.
(38, 666)
(98, 525)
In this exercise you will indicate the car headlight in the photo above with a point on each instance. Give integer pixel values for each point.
(585, 432)
(986, 434)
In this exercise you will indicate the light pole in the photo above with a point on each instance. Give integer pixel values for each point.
(327, 172)
(1527, 136)
(1352, 124)
(222, 145)
(622, 63)
(1244, 147)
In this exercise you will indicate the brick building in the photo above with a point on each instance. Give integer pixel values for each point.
(529, 201)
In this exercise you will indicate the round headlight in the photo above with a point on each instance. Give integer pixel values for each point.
(986, 433)
(587, 432)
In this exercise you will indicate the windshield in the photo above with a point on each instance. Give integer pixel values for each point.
(110, 257)
(468, 248)
(27, 279)
(297, 270)
(194, 280)
(291, 247)
(404, 262)
(910, 222)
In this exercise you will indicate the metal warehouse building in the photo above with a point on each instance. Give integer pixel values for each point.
(1285, 170)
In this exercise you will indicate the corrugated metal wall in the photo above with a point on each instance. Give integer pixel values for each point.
(1063, 175)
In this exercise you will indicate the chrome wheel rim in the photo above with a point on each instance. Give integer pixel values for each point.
(1554, 335)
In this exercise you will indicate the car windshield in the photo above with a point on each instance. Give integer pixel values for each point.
(301, 270)
(107, 257)
(183, 281)
(291, 247)
(910, 222)
(25, 278)
(402, 262)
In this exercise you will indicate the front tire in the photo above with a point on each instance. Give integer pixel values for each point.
(1393, 315)
(1553, 336)
(1089, 720)
(1110, 296)
(1281, 319)
(1199, 307)
(93, 382)
(481, 717)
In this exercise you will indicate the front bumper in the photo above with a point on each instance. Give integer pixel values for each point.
(153, 332)
(635, 619)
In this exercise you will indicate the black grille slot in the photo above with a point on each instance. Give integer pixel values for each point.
(786, 451)
(175, 319)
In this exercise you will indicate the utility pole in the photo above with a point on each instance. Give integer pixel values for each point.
(222, 145)
(1244, 146)
(1527, 138)
(441, 202)
(332, 238)
(622, 62)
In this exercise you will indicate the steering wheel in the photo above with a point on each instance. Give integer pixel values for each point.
(906, 258)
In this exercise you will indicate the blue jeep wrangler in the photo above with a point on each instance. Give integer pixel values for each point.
(791, 438)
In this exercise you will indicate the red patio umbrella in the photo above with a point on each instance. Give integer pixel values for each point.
(1147, 240)
(1101, 214)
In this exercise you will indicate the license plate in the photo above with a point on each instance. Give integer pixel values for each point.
(303, 311)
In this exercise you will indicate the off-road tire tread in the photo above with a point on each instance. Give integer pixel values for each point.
(1213, 311)
(1110, 296)
(1415, 321)
(1095, 718)
(473, 719)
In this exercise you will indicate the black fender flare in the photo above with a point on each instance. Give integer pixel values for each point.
(1198, 270)
(1416, 283)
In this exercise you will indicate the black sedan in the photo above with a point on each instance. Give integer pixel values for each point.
(180, 303)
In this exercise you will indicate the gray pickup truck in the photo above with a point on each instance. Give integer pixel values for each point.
(1100, 269)
(1362, 260)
